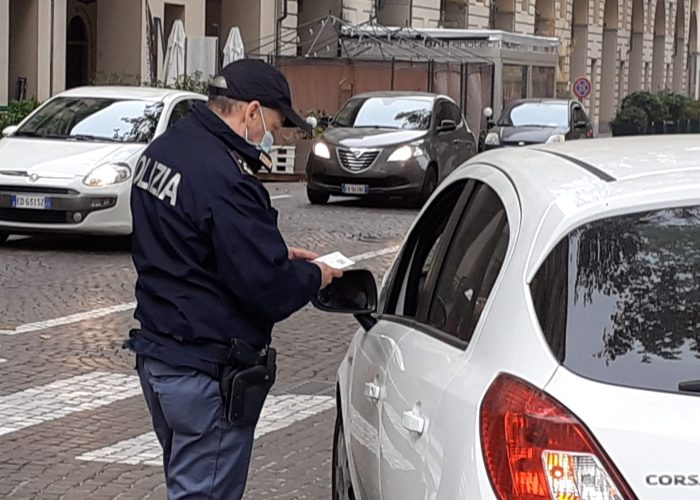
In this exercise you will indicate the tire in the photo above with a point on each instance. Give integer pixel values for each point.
(317, 197)
(341, 481)
(430, 183)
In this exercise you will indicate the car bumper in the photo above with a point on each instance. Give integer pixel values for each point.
(71, 208)
(382, 178)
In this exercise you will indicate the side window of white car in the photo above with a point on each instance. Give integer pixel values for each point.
(409, 286)
(471, 265)
(179, 111)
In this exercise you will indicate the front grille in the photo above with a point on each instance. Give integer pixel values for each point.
(37, 190)
(34, 216)
(357, 160)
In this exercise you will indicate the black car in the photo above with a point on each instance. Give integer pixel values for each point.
(538, 121)
(399, 144)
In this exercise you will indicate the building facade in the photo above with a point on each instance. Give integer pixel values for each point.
(619, 45)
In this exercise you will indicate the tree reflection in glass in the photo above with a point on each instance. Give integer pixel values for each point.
(645, 269)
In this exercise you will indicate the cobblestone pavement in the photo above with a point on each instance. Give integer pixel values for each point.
(73, 423)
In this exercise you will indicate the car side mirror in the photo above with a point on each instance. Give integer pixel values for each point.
(354, 293)
(7, 131)
(447, 126)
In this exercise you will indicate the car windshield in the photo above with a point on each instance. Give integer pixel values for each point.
(537, 114)
(94, 119)
(618, 299)
(385, 112)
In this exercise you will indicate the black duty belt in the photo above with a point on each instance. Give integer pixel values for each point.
(236, 353)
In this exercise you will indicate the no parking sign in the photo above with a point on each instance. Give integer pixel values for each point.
(582, 87)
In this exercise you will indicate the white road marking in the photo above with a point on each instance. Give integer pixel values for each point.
(279, 412)
(281, 197)
(55, 400)
(3, 360)
(129, 306)
(375, 253)
(66, 320)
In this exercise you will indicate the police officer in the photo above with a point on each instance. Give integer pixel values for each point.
(214, 276)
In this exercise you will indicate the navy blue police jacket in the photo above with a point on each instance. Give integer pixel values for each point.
(211, 263)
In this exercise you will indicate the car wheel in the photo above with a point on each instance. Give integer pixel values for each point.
(317, 197)
(342, 485)
(430, 183)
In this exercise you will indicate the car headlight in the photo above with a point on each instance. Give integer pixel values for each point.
(322, 151)
(107, 175)
(405, 153)
(492, 139)
(556, 138)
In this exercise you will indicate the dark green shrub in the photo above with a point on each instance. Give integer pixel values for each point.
(630, 120)
(16, 112)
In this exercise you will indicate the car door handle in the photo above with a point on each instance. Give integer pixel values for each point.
(372, 391)
(413, 422)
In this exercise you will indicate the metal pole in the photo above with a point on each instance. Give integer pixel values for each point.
(278, 27)
(431, 75)
(393, 68)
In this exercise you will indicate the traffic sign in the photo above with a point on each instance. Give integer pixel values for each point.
(582, 87)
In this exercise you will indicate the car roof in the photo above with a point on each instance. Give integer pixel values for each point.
(428, 96)
(590, 171)
(124, 92)
(563, 186)
(543, 100)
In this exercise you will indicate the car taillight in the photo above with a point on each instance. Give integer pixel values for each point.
(534, 448)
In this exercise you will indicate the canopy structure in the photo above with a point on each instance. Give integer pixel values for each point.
(523, 65)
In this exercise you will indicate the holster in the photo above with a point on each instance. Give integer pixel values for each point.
(246, 381)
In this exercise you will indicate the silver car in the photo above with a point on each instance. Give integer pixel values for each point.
(391, 144)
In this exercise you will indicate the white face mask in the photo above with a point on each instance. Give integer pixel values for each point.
(268, 139)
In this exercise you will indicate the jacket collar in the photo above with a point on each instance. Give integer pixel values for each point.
(255, 158)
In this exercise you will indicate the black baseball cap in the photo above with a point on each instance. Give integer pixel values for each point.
(254, 80)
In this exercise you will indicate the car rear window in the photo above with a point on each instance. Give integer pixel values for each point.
(619, 299)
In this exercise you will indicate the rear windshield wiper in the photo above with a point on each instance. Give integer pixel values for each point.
(689, 386)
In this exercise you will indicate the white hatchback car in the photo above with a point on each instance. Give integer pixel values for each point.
(66, 167)
(538, 336)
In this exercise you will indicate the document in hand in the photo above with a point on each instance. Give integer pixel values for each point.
(336, 260)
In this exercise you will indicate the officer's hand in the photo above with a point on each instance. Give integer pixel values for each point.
(328, 274)
(301, 254)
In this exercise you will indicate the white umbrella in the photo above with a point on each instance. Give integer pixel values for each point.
(233, 50)
(174, 64)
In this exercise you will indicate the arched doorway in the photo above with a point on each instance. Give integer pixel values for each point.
(502, 15)
(679, 58)
(544, 18)
(636, 47)
(693, 55)
(394, 12)
(579, 40)
(77, 53)
(609, 64)
(658, 68)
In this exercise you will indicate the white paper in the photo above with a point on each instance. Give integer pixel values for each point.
(336, 260)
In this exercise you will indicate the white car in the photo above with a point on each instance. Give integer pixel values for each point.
(67, 167)
(538, 336)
